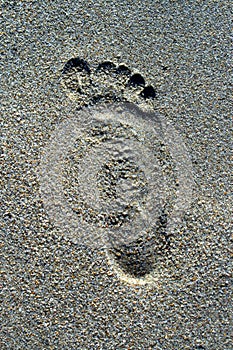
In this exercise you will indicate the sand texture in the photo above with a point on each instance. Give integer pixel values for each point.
(77, 180)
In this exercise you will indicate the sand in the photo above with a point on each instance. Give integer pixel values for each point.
(60, 294)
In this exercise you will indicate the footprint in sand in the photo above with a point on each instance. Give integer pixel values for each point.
(111, 83)
(120, 176)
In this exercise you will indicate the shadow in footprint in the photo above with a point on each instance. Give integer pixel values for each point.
(148, 92)
(122, 69)
(136, 80)
(107, 83)
(76, 63)
(106, 66)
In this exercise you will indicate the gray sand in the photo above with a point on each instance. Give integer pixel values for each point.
(62, 295)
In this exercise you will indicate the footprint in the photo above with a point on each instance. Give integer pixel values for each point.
(104, 84)
(119, 158)
(108, 83)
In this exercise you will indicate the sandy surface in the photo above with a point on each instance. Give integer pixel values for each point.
(62, 295)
